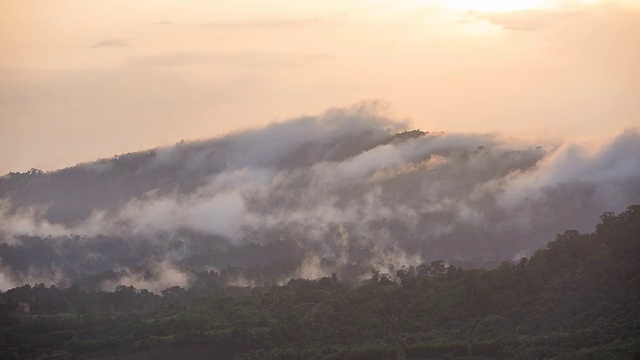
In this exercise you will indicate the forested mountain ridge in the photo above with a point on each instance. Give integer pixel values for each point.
(578, 298)
(342, 192)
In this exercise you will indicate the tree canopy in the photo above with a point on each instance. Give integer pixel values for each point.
(578, 298)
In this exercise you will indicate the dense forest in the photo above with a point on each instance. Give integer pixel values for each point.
(578, 298)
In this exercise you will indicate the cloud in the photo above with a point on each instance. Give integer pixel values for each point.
(157, 277)
(241, 59)
(264, 23)
(27, 221)
(580, 163)
(112, 43)
(528, 20)
(11, 278)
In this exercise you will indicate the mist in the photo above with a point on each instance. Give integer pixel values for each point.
(343, 192)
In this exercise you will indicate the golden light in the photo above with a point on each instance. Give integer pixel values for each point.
(494, 5)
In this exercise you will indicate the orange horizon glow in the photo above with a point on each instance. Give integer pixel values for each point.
(495, 5)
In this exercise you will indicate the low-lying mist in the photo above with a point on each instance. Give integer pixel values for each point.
(344, 192)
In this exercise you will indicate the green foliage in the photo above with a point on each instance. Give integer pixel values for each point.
(579, 298)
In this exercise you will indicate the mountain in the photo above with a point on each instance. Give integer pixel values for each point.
(344, 192)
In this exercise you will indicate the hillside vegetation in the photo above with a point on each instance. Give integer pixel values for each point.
(578, 298)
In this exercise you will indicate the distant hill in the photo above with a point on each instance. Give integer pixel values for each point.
(344, 192)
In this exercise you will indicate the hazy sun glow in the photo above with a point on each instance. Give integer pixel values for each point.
(495, 5)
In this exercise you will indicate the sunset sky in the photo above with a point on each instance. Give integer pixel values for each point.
(81, 80)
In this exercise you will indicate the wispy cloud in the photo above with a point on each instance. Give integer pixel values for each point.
(112, 43)
(251, 59)
(528, 20)
(263, 23)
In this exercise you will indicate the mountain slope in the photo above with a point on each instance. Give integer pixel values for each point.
(575, 299)
(342, 192)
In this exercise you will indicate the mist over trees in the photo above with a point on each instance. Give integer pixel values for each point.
(344, 192)
(577, 298)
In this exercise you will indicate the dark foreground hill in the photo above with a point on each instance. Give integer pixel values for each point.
(579, 298)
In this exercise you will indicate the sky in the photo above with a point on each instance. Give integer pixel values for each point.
(82, 80)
